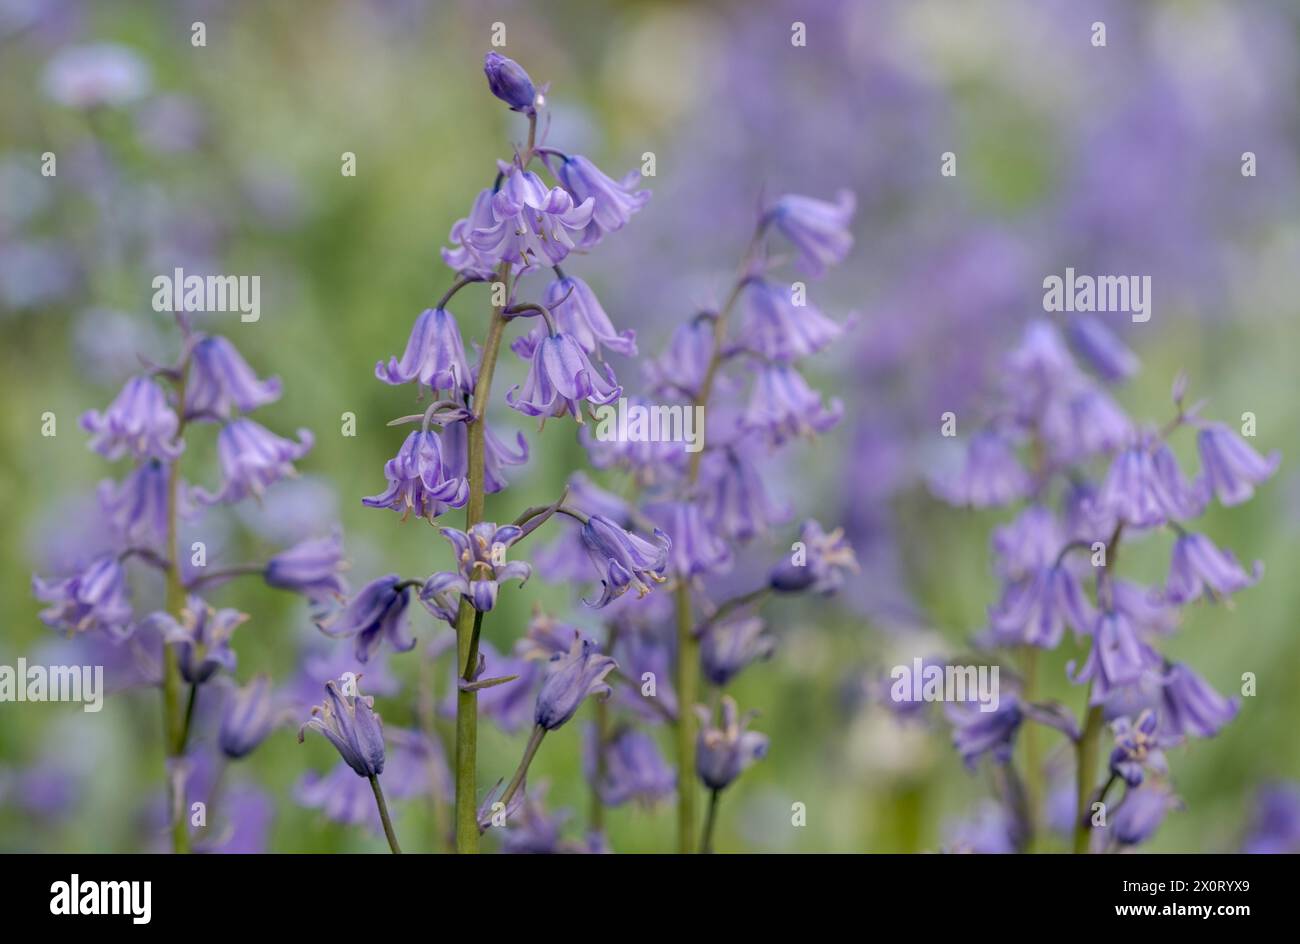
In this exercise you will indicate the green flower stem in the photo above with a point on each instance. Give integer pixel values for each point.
(383, 815)
(711, 818)
(530, 751)
(688, 688)
(1086, 757)
(175, 729)
(1033, 762)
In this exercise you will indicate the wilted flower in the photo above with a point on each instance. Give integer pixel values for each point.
(434, 356)
(376, 613)
(622, 559)
(630, 767)
(818, 565)
(247, 718)
(138, 421)
(1190, 707)
(559, 377)
(349, 723)
(1197, 568)
(509, 82)
(818, 229)
(480, 565)
(220, 381)
(418, 480)
(1232, 467)
(95, 598)
(201, 639)
(311, 567)
(570, 678)
(579, 314)
(253, 459)
(614, 200)
(728, 646)
(722, 754)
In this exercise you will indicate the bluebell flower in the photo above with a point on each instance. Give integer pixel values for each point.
(732, 496)
(135, 509)
(696, 548)
(1029, 543)
(1231, 467)
(1084, 423)
(96, 75)
(419, 481)
(579, 314)
(728, 646)
(311, 567)
(1197, 568)
(990, 475)
(139, 422)
(783, 406)
(247, 718)
(201, 638)
(723, 753)
(559, 378)
(818, 566)
(623, 560)
(462, 256)
(1118, 657)
(1275, 822)
(96, 598)
(349, 723)
(990, 830)
(570, 678)
(681, 368)
(1138, 748)
(818, 229)
(532, 225)
(1145, 487)
(778, 329)
(480, 565)
(434, 356)
(1035, 610)
(252, 460)
(976, 732)
(1190, 707)
(509, 82)
(496, 454)
(614, 200)
(376, 613)
(1140, 813)
(1102, 349)
(220, 381)
(633, 767)
(546, 637)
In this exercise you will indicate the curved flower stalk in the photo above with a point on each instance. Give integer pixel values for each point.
(1087, 485)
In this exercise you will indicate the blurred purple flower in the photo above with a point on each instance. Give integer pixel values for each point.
(729, 646)
(723, 753)
(614, 201)
(95, 598)
(376, 613)
(1190, 707)
(1232, 467)
(311, 567)
(201, 638)
(139, 421)
(434, 356)
(247, 718)
(783, 406)
(632, 768)
(818, 229)
(220, 381)
(1197, 568)
(818, 566)
(95, 75)
(570, 678)
(252, 460)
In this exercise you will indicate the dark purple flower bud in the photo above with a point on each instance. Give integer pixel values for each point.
(376, 613)
(723, 753)
(1118, 657)
(1099, 346)
(480, 565)
(1275, 823)
(533, 225)
(579, 314)
(201, 639)
(615, 200)
(782, 405)
(349, 723)
(976, 732)
(818, 229)
(1197, 568)
(629, 768)
(623, 560)
(559, 377)
(816, 564)
(1137, 748)
(729, 646)
(221, 381)
(509, 82)
(139, 422)
(95, 598)
(136, 509)
(496, 454)
(434, 356)
(1190, 707)
(696, 548)
(1035, 610)
(780, 330)
(1140, 813)
(570, 678)
(311, 568)
(247, 718)
(1232, 467)
(990, 475)
(252, 460)
(1145, 488)
(418, 480)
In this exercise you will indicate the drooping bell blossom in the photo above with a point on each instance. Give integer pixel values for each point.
(462, 256)
(509, 82)
(818, 229)
(418, 480)
(376, 613)
(723, 753)
(729, 646)
(1099, 347)
(976, 732)
(630, 767)
(1085, 423)
(1275, 822)
(1035, 610)
(783, 406)
(95, 598)
(496, 454)
(990, 475)
(817, 564)
(349, 723)
(533, 225)
(434, 356)
(697, 549)
(201, 638)
(220, 381)
(614, 200)
(1231, 467)
(681, 368)
(579, 314)
(1137, 748)
(1147, 609)
(139, 421)
(732, 496)
(1029, 543)
(570, 678)
(252, 460)
(1190, 707)
(1118, 657)
(559, 378)
(480, 564)
(1145, 488)
(136, 508)
(1197, 568)
(1140, 813)
(1038, 370)
(623, 560)
(774, 326)
(565, 558)
(1086, 518)
(312, 568)
(247, 718)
